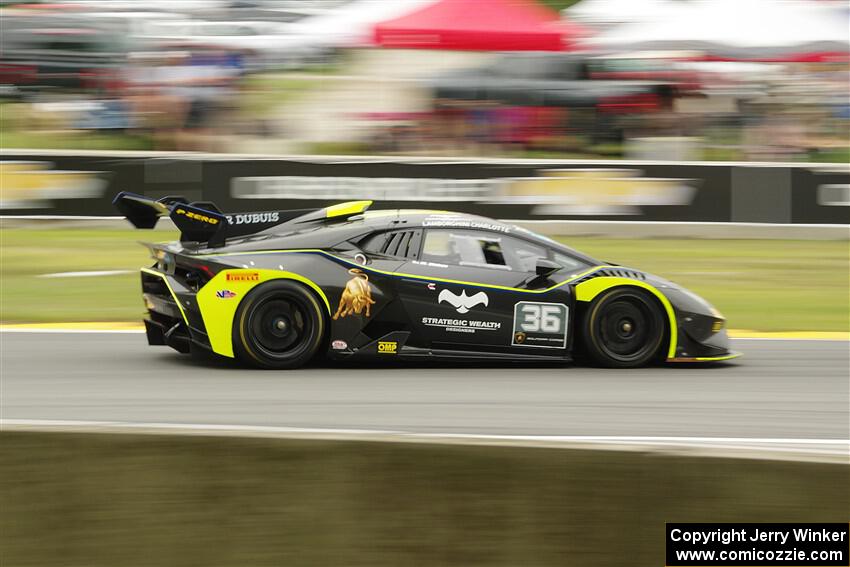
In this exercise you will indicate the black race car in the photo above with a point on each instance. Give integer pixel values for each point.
(275, 289)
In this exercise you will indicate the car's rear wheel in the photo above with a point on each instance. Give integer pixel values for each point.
(624, 328)
(279, 325)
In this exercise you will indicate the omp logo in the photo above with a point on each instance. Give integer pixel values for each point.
(253, 218)
(463, 303)
(247, 277)
(196, 216)
(33, 184)
(387, 347)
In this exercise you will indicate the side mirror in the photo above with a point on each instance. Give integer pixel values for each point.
(545, 267)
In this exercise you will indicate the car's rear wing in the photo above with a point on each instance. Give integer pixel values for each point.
(202, 221)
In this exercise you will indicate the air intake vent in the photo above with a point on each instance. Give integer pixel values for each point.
(404, 244)
(616, 273)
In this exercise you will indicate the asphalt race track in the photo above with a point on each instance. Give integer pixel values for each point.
(779, 389)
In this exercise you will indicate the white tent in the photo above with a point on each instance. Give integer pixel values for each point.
(747, 29)
(603, 13)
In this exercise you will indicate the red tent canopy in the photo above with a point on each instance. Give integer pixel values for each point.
(486, 25)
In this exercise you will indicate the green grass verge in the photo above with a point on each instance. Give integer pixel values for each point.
(766, 285)
(21, 127)
(262, 94)
(139, 500)
(26, 254)
(74, 140)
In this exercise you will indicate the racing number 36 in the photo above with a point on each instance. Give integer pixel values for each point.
(540, 324)
(541, 317)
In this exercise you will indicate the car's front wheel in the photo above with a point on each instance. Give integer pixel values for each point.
(623, 328)
(279, 325)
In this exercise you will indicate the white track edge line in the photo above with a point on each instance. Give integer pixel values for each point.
(72, 331)
(838, 446)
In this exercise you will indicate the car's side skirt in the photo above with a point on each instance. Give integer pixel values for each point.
(415, 353)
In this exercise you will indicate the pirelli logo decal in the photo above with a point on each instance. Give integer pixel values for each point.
(196, 216)
(243, 277)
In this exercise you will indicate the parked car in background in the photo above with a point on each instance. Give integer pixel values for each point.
(75, 48)
(539, 81)
(265, 45)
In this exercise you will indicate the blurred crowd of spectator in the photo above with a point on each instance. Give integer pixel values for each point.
(63, 71)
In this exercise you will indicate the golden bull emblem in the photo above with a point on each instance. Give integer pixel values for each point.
(356, 296)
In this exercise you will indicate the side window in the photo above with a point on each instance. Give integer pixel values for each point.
(523, 255)
(399, 243)
(464, 248)
(481, 249)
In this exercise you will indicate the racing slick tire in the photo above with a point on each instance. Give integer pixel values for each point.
(623, 328)
(279, 325)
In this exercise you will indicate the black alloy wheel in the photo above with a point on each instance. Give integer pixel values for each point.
(279, 325)
(624, 328)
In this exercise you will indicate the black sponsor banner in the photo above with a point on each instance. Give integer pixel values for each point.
(764, 545)
(69, 184)
(820, 195)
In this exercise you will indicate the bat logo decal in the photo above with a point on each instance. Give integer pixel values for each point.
(463, 303)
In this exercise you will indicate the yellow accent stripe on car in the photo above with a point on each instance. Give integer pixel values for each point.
(705, 358)
(170, 289)
(346, 209)
(588, 290)
(218, 312)
(405, 275)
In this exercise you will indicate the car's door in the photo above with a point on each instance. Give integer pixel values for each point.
(369, 307)
(478, 290)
